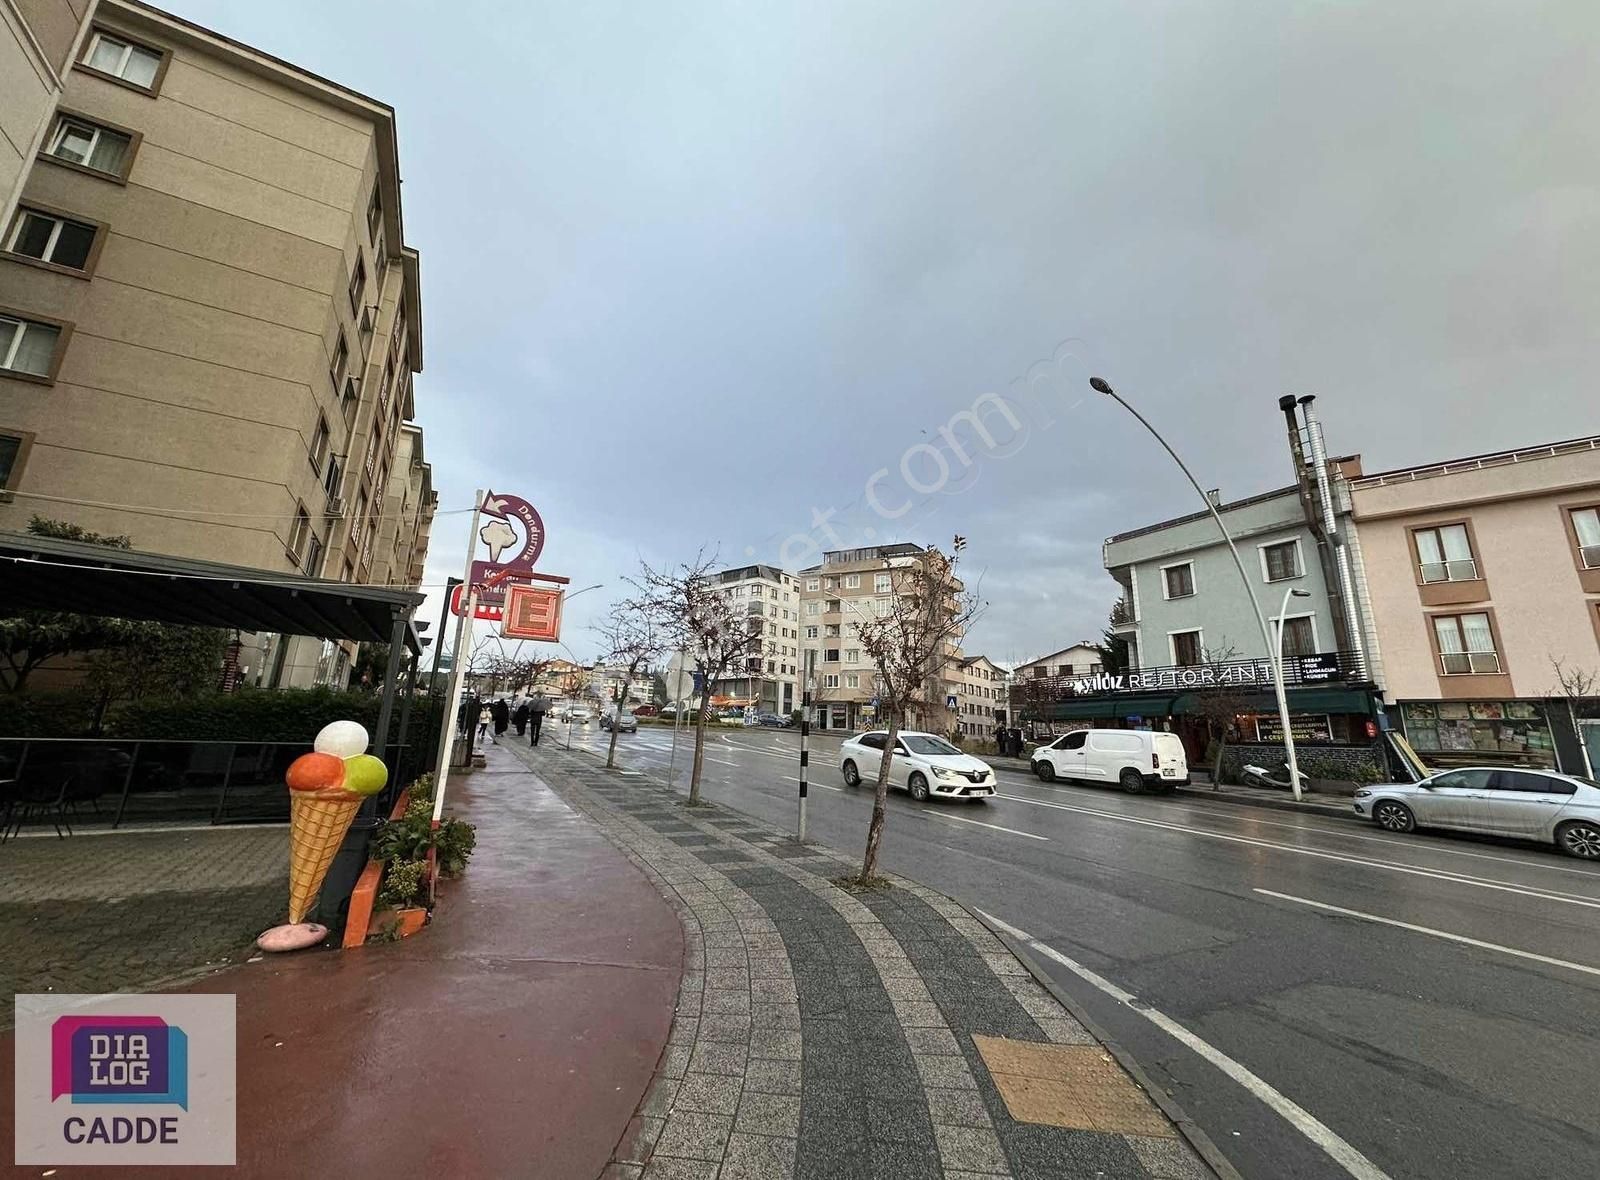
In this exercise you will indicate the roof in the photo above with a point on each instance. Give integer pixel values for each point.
(1260, 498)
(43, 573)
(1477, 462)
(1084, 645)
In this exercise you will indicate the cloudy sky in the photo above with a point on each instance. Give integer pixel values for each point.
(693, 273)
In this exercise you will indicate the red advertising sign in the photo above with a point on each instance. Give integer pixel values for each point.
(532, 612)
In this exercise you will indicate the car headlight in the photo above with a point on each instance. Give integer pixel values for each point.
(1363, 792)
(942, 772)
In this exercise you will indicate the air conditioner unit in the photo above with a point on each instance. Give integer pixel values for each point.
(369, 317)
(335, 507)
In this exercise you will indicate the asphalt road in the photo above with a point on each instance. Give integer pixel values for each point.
(1306, 1041)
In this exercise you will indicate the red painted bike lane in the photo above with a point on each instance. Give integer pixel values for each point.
(513, 1036)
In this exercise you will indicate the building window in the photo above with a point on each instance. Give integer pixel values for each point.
(1444, 554)
(831, 680)
(1586, 523)
(28, 347)
(51, 239)
(882, 583)
(1178, 580)
(374, 212)
(811, 632)
(14, 446)
(829, 583)
(341, 360)
(89, 145)
(830, 656)
(813, 608)
(852, 680)
(852, 581)
(852, 655)
(358, 285)
(1186, 648)
(1299, 636)
(885, 607)
(1466, 645)
(813, 583)
(332, 476)
(319, 443)
(137, 65)
(313, 564)
(1281, 562)
(298, 534)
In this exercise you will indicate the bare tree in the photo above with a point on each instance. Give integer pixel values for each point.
(1579, 686)
(928, 609)
(1220, 705)
(695, 615)
(632, 637)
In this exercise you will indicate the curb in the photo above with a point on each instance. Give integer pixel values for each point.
(1266, 804)
(1202, 1143)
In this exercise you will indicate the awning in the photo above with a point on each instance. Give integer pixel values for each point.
(1157, 705)
(43, 573)
(1301, 700)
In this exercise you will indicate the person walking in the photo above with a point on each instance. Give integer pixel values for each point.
(520, 718)
(537, 708)
(500, 714)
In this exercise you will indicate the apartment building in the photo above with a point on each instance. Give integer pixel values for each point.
(851, 585)
(769, 681)
(982, 697)
(209, 318)
(38, 41)
(1481, 573)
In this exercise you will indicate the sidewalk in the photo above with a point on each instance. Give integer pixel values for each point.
(513, 1037)
(1337, 806)
(822, 1033)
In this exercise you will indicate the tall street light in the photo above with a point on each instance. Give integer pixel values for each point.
(1274, 649)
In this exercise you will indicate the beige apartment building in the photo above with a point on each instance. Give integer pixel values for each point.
(1480, 573)
(769, 681)
(851, 585)
(209, 319)
(983, 697)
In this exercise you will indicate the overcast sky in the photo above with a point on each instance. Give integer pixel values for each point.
(694, 272)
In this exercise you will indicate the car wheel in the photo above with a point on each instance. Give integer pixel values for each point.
(1132, 782)
(1580, 838)
(1045, 771)
(1394, 817)
(852, 776)
(918, 786)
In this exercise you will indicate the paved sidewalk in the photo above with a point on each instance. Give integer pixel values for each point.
(514, 1036)
(822, 1033)
(1336, 806)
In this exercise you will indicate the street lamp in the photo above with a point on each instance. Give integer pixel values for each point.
(1274, 646)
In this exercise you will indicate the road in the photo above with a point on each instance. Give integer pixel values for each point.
(1324, 999)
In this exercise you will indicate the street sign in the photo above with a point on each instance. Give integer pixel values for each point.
(532, 612)
(499, 533)
(491, 599)
(950, 702)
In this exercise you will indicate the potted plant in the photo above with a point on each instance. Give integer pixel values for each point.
(403, 882)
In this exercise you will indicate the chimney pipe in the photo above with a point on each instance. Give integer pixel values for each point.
(1330, 525)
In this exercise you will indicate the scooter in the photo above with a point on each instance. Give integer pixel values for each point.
(1257, 776)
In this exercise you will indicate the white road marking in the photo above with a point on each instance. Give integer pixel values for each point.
(1346, 1156)
(1411, 870)
(956, 819)
(1429, 930)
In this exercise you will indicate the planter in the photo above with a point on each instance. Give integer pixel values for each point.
(398, 923)
(1331, 786)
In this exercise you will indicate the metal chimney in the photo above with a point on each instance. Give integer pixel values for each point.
(1330, 525)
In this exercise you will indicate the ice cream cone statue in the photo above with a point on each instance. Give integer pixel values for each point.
(326, 789)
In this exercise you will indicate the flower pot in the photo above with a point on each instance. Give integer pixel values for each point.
(399, 923)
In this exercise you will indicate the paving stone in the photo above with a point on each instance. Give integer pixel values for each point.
(695, 1135)
(768, 1076)
(950, 1073)
(774, 1016)
(768, 1114)
(728, 978)
(971, 1149)
(727, 1028)
(639, 1139)
(758, 1157)
(932, 1040)
(671, 1168)
(957, 1108)
(1168, 1159)
(714, 1058)
(709, 1093)
(719, 1000)
(771, 1042)
(905, 1161)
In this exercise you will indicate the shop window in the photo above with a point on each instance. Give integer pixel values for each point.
(1467, 732)
(1466, 645)
(1444, 554)
(1178, 580)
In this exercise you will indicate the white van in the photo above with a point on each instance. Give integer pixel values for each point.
(1135, 759)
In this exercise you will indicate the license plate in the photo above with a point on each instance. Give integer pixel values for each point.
(1169, 774)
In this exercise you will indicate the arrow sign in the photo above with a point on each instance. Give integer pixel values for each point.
(499, 534)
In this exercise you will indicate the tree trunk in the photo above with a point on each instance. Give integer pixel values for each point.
(611, 751)
(699, 744)
(1216, 769)
(880, 801)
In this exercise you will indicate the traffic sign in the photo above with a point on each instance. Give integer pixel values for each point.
(950, 702)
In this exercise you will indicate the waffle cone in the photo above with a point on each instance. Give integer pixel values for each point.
(318, 822)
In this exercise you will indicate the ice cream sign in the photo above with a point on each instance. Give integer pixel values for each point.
(509, 515)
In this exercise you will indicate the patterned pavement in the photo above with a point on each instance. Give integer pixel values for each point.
(825, 1034)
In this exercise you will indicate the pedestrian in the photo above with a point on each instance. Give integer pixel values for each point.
(537, 708)
(500, 714)
(520, 718)
(472, 718)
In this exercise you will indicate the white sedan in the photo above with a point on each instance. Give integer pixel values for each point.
(923, 763)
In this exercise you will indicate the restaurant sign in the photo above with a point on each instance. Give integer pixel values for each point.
(1234, 674)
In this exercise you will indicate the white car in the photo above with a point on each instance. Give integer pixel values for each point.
(1134, 759)
(576, 713)
(923, 763)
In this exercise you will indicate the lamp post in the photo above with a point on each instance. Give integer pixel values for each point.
(1274, 648)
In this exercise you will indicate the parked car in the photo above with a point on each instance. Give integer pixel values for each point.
(1135, 759)
(773, 721)
(578, 714)
(923, 763)
(1559, 809)
(645, 710)
(624, 722)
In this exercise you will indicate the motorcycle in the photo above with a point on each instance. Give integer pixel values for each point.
(1257, 776)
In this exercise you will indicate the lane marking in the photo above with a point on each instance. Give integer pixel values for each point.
(1429, 930)
(1339, 830)
(1346, 1156)
(956, 819)
(1411, 870)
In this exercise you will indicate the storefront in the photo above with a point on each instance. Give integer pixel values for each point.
(1462, 733)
